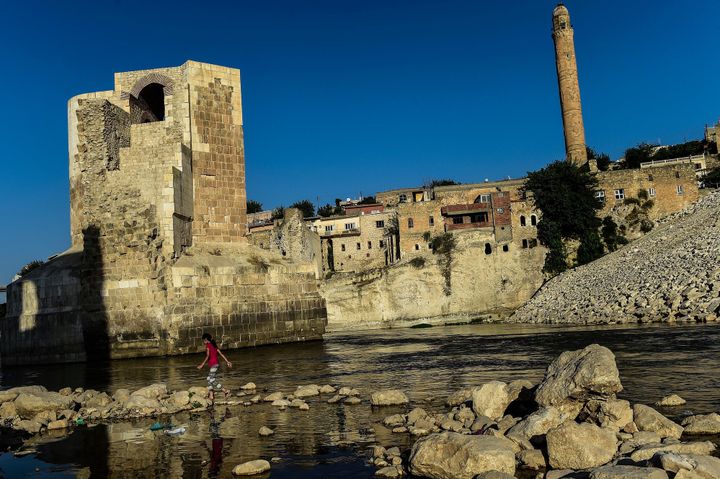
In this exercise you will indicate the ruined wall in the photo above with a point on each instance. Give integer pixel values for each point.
(468, 284)
(157, 188)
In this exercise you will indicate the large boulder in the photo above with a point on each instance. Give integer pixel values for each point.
(251, 468)
(388, 397)
(580, 375)
(628, 472)
(580, 446)
(491, 399)
(12, 393)
(648, 451)
(143, 405)
(707, 467)
(154, 391)
(702, 424)
(450, 455)
(544, 419)
(29, 404)
(648, 419)
(307, 391)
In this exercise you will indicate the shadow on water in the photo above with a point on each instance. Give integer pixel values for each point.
(330, 440)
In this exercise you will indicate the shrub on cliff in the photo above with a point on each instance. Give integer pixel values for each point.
(610, 234)
(565, 193)
(30, 266)
(253, 206)
(306, 207)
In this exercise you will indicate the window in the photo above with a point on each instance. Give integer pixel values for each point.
(357, 246)
(431, 221)
(417, 247)
(382, 244)
(651, 191)
(483, 199)
(650, 177)
(380, 224)
(677, 174)
(506, 248)
(457, 220)
(342, 247)
(525, 243)
(479, 218)
(679, 190)
(600, 194)
(430, 246)
(522, 220)
(620, 194)
(152, 101)
(488, 248)
(403, 198)
(329, 228)
(349, 226)
(369, 244)
(533, 220)
(411, 224)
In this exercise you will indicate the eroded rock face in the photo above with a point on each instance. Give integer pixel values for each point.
(388, 397)
(628, 472)
(580, 446)
(491, 399)
(251, 468)
(580, 375)
(450, 455)
(648, 419)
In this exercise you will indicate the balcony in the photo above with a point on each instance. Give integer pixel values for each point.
(453, 210)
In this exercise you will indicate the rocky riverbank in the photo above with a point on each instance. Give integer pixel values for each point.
(571, 424)
(671, 274)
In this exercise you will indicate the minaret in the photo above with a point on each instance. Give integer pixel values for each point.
(562, 34)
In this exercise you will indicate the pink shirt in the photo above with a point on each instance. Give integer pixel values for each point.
(213, 361)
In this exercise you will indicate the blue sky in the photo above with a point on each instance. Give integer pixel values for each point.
(343, 97)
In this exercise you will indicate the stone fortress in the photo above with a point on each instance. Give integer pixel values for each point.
(159, 251)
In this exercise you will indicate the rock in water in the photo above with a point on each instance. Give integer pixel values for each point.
(648, 419)
(671, 401)
(248, 386)
(580, 446)
(273, 397)
(544, 419)
(251, 468)
(702, 424)
(30, 404)
(491, 399)
(307, 391)
(154, 391)
(628, 472)
(388, 397)
(450, 455)
(266, 431)
(580, 375)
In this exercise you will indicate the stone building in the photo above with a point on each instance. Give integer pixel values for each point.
(363, 239)
(158, 222)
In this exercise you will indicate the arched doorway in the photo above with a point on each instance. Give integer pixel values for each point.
(151, 100)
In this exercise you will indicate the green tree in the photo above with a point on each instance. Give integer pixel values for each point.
(278, 212)
(565, 194)
(440, 182)
(330, 210)
(254, 206)
(636, 155)
(306, 207)
(601, 159)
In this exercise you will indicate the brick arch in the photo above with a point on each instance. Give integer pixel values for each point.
(159, 78)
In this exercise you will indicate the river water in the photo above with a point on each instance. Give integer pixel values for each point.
(332, 440)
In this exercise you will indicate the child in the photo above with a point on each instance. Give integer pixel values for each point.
(211, 357)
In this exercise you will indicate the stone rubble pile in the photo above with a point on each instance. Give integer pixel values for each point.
(671, 274)
(570, 425)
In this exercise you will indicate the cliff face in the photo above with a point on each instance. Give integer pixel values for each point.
(671, 274)
(461, 283)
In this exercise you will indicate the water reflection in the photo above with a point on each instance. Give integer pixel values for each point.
(329, 440)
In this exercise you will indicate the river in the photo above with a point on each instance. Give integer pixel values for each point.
(331, 440)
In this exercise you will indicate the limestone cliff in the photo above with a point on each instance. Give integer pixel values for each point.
(461, 284)
(671, 274)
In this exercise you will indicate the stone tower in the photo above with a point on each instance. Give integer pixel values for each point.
(569, 87)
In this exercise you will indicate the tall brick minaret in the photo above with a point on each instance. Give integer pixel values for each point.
(562, 34)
